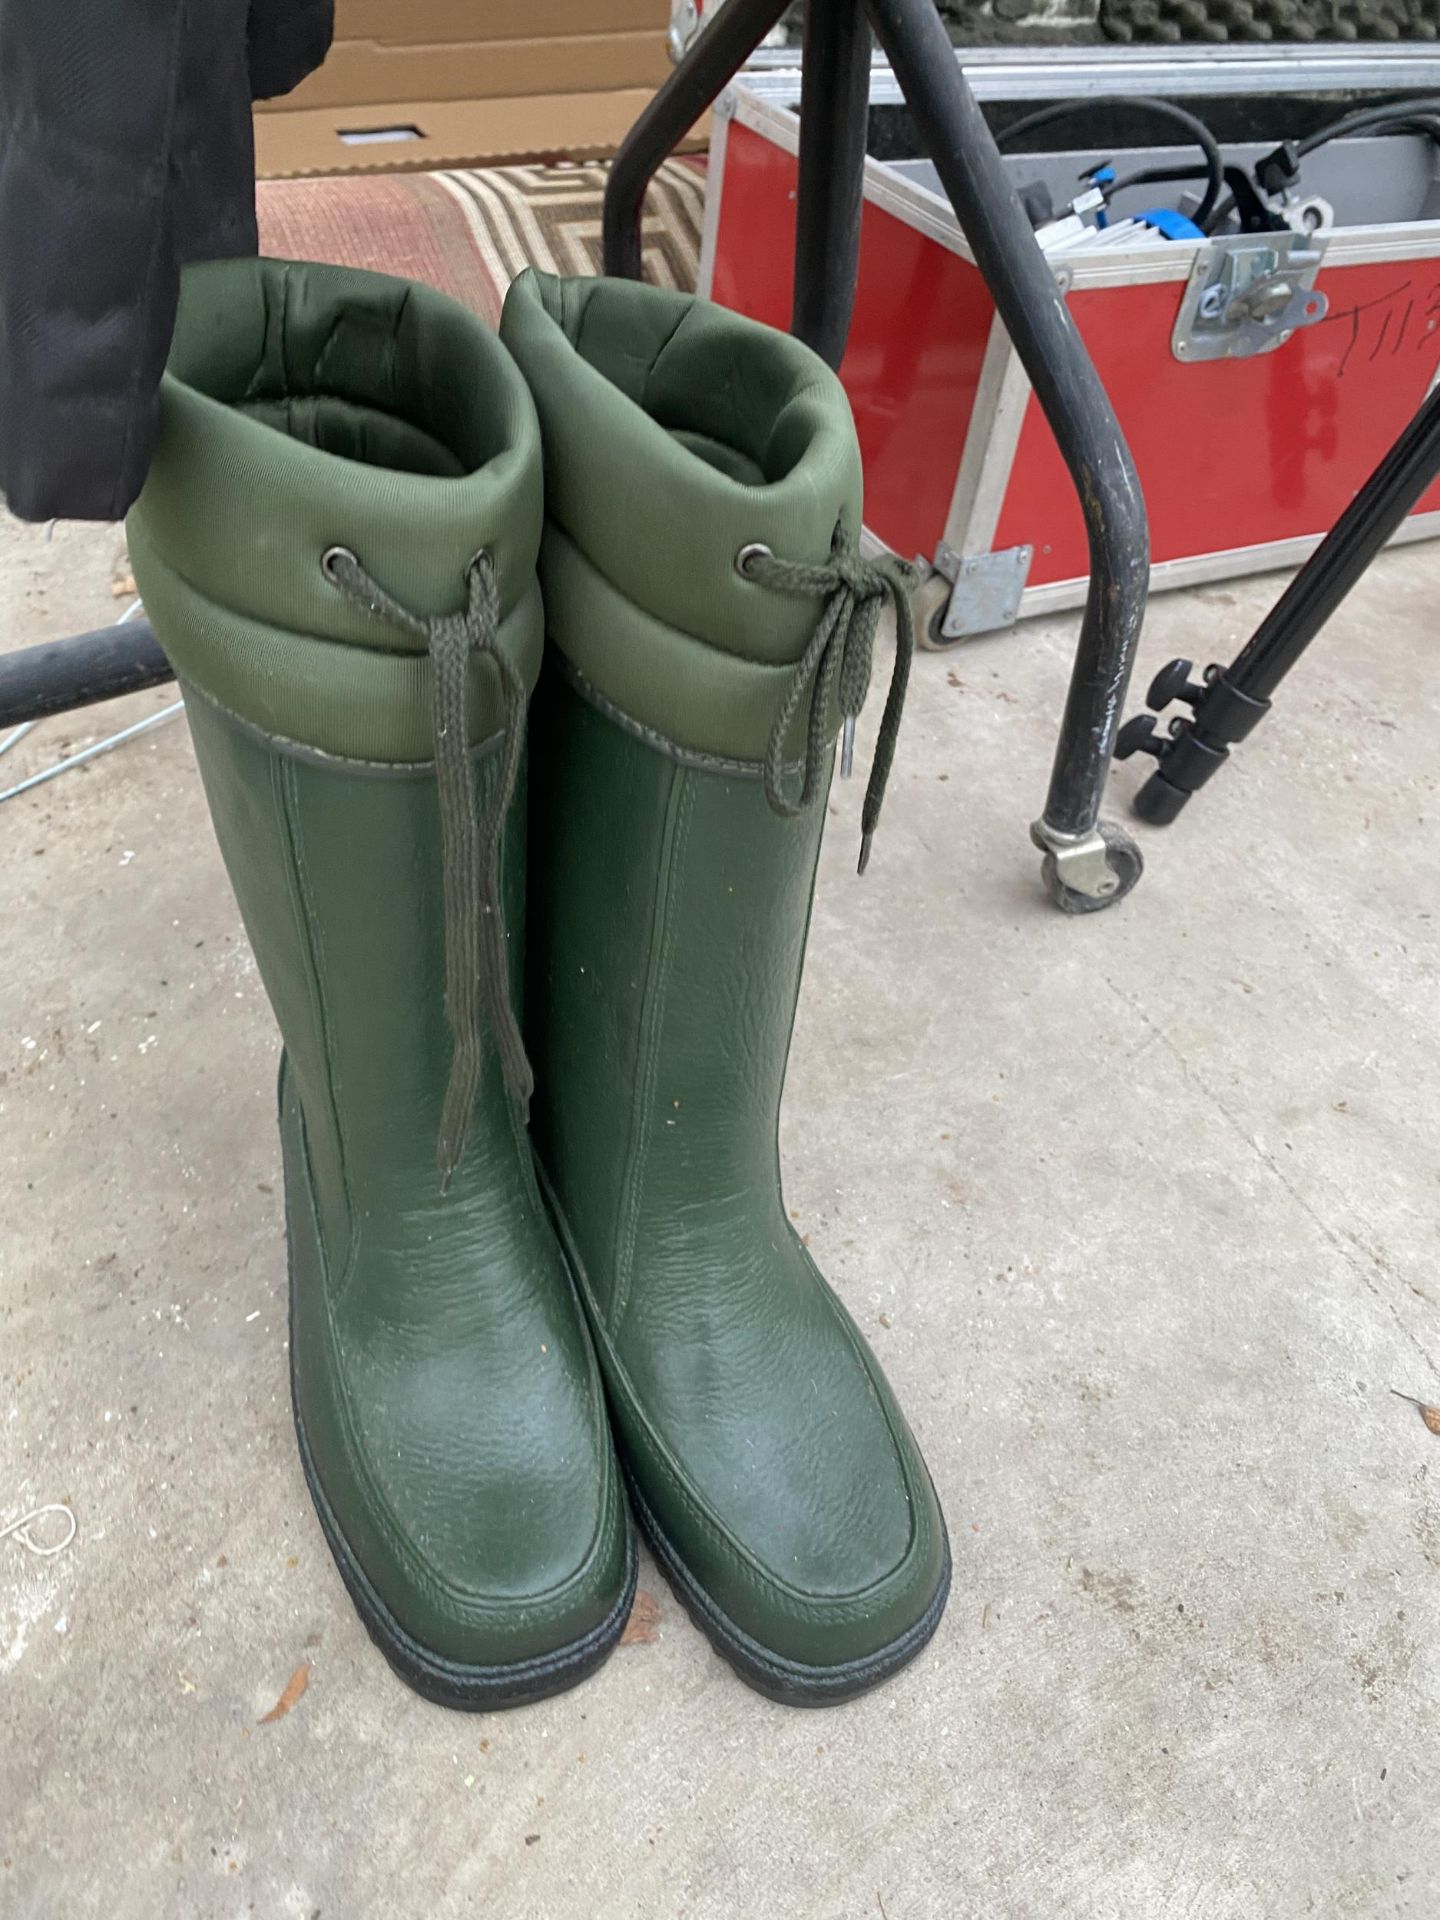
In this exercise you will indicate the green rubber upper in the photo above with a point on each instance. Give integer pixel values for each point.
(445, 1383)
(669, 911)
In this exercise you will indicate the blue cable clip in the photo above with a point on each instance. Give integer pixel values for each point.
(1169, 224)
(1102, 177)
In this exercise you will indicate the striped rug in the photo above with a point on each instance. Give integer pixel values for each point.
(470, 232)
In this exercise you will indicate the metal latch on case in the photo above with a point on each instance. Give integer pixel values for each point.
(1247, 294)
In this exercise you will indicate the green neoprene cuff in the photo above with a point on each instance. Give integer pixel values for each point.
(310, 406)
(675, 434)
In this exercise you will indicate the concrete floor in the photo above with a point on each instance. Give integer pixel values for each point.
(1139, 1211)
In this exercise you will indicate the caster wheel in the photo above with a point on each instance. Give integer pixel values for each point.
(930, 636)
(1124, 860)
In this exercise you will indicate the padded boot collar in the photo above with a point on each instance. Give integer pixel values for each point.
(310, 406)
(676, 434)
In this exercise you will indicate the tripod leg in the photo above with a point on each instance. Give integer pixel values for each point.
(1231, 701)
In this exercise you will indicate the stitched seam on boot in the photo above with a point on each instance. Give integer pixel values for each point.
(477, 1610)
(656, 1450)
(762, 1579)
(525, 1150)
(287, 385)
(658, 742)
(662, 939)
(280, 743)
(653, 368)
(287, 794)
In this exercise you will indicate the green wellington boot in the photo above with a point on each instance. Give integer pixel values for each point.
(337, 547)
(712, 628)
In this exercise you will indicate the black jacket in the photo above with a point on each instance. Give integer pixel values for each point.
(126, 149)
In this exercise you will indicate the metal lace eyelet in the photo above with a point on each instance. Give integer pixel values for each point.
(748, 554)
(331, 558)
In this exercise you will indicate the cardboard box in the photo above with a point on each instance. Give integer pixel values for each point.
(442, 83)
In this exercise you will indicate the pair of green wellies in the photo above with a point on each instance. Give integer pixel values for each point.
(521, 660)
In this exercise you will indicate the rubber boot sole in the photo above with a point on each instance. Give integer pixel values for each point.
(793, 1683)
(449, 1683)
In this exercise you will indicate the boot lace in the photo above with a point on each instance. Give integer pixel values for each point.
(476, 961)
(837, 663)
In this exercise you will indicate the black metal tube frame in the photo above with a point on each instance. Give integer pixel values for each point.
(1231, 701)
(39, 681)
(833, 136)
(959, 142)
